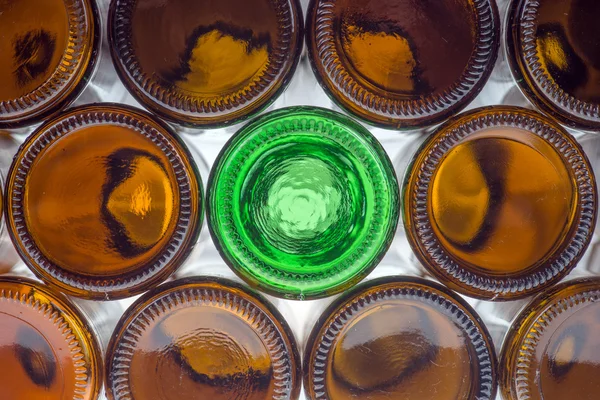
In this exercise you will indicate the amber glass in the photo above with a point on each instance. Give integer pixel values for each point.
(500, 203)
(205, 63)
(48, 50)
(105, 201)
(552, 351)
(202, 338)
(554, 53)
(403, 63)
(47, 348)
(400, 338)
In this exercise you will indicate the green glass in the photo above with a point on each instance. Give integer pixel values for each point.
(303, 203)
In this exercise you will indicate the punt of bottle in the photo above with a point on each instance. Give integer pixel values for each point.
(105, 201)
(202, 338)
(500, 203)
(48, 51)
(47, 348)
(552, 351)
(555, 57)
(303, 202)
(400, 338)
(205, 63)
(403, 63)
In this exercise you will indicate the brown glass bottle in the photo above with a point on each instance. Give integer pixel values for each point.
(47, 348)
(400, 338)
(104, 201)
(403, 63)
(48, 52)
(552, 351)
(205, 63)
(500, 203)
(555, 57)
(202, 338)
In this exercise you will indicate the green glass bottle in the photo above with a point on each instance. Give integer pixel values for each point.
(303, 203)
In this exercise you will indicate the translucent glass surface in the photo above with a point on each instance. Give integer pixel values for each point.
(303, 90)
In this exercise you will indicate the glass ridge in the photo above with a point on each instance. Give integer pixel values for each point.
(302, 202)
(500, 203)
(210, 64)
(400, 337)
(202, 338)
(551, 351)
(118, 214)
(49, 52)
(402, 64)
(48, 349)
(554, 58)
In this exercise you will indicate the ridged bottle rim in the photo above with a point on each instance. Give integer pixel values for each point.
(199, 292)
(392, 112)
(80, 347)
(71, 76)
(532, 76)
(452, 271)
(533, 324)
(179, 106)
(348, 136)
(369, 296)
(187, 226)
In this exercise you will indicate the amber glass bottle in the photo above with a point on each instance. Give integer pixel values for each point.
(552, 351)
(48, 50)
(403, 63)
(400, 338)
(47, 348)
(104, 201)
(205, 63)
(500, 203)
(202, 338)
(555, 57)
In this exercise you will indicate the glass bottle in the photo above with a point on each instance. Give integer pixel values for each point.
(48, 52)
(103, 201)
(47, 348)
(552, 350)
(398, 338)
(203, 338)
(500, 203)
(555, 58)
(205, 63)
(302, 202)
(403, 63)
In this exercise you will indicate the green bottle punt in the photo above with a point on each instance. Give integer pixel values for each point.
(303, 203)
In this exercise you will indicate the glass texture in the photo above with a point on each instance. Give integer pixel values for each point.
(403, 63)
(553, 49)
(202, 338)
(552, 351)
(303, 202)
(48, 50)
(400, 338)
(304, 89)
(500, 203)
(47, 349)
(105, 201)
(205, 63)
